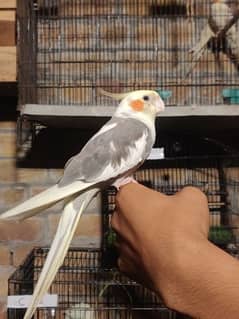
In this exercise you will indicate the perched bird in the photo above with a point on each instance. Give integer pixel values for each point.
(220, 17)
(109, 157)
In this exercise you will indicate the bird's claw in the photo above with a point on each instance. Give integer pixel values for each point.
(124, 181)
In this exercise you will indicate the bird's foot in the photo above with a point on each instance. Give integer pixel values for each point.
(123, 181)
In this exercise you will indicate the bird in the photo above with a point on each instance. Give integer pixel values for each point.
(219, 20)
(110, 157)
(221, 15)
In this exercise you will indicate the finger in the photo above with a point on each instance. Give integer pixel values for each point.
(134, 272)
(195, 202)
(119, 223)
(124, 266)
(125, 231)
(130, 193)
(115, 221)
(125, 248)
(128, 269)
(135, 200)
(192, 193)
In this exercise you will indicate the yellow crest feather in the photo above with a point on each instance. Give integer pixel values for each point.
(115, 96)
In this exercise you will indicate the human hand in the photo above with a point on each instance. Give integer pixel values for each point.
(158, 234)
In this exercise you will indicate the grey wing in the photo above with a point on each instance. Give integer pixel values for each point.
(117, 148)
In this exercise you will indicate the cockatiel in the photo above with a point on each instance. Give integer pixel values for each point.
(109, 157)
(221, 15)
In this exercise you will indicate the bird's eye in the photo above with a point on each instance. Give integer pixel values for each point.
(146, 98)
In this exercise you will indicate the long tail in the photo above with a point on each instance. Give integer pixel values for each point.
(198, 50)
(233, 43)
(66, 228)
(44, 200)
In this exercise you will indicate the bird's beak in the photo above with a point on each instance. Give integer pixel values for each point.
(159, 104)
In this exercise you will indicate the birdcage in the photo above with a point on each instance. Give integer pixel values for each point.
(86, 289)
(189, 161)
(70, 48)
(88, 283)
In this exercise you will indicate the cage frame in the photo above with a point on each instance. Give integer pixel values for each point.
(65, 115)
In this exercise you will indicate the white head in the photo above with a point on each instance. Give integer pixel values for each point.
(139, 104)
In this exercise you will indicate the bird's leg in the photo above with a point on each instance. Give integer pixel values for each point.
(205, 36)
(123, 181)
(198, 49)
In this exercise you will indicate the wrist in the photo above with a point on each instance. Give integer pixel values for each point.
(201, 282)
(178, 276)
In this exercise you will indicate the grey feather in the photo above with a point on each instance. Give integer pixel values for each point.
(97, 154)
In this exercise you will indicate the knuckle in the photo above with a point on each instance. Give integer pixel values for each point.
(195, 192)
(120, 264)
(118, 198)
(123, 266)
(125, 192)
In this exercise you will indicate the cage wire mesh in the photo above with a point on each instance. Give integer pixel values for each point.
(69, 48)
(87, 290)
(88, 283)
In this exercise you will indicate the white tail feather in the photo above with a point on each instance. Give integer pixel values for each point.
(65, 231)
(44, 200)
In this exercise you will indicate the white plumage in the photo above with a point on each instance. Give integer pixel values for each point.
(131, 135)
(221, 14)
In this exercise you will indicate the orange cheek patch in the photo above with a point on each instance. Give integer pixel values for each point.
(137, 105)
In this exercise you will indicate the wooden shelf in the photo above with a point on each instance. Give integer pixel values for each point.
(7, 4)
(8, 41)
(187, 118)
(7, 64)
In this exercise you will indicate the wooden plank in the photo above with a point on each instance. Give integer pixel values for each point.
(7, 28)
(7, 41)
(7, 15)
(8, 34)
(7, 64)
(7, 31)
(7, 4)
